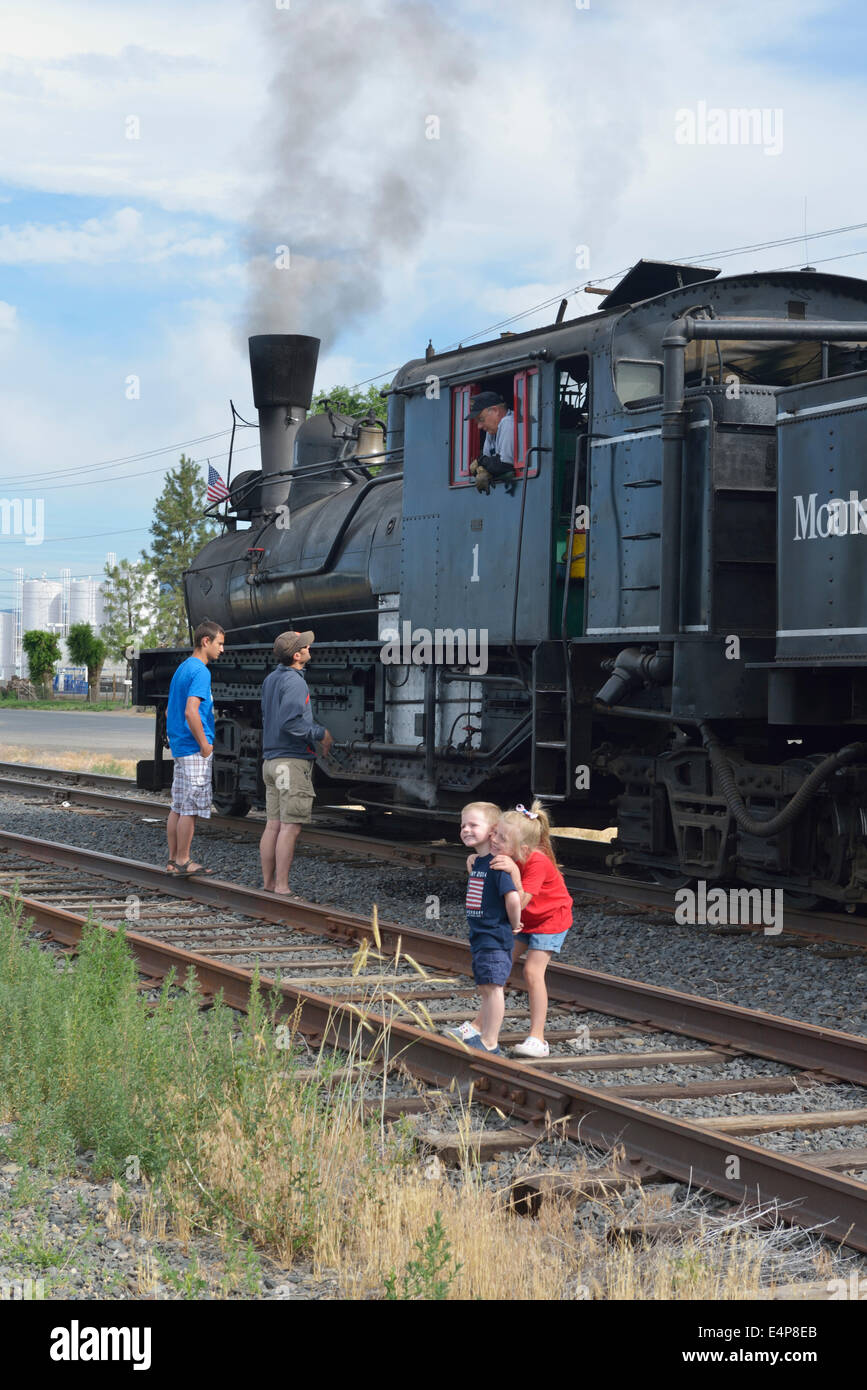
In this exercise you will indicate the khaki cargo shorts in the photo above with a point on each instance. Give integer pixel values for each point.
(289, 791)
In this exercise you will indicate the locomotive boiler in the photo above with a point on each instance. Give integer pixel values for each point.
(655, 619)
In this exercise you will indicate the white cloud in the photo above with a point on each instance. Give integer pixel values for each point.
(96, 241)
(567, 138)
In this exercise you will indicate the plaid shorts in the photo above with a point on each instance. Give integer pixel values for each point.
(191, 786)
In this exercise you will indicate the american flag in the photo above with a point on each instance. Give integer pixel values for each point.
(475, 888)
(217, 489)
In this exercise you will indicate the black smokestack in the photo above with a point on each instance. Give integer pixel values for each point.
(283, 368)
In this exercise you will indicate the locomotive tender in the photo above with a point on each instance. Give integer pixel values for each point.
(659, 620)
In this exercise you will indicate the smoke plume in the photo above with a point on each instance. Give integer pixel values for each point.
(352, 176)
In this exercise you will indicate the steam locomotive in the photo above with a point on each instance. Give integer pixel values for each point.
(656, 619)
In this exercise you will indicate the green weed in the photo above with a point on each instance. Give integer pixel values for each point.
(430, 1276)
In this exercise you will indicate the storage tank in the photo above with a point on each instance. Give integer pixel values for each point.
(41, 605)
(84, 601)
(7, 645)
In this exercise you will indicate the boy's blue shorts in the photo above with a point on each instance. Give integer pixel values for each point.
(491, 966)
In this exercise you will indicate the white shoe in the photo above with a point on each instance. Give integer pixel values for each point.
(463, 1032)
(532, 1047)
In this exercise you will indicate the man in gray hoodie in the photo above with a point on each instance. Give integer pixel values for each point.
(289, 733)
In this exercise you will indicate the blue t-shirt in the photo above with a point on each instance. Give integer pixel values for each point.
(191, 678)
(490, 929)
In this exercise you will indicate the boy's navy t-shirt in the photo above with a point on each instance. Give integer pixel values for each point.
(490, 929)
(191, 678)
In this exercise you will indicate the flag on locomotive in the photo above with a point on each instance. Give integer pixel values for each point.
(217, 490)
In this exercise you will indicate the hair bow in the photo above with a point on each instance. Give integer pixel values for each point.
(533, 815)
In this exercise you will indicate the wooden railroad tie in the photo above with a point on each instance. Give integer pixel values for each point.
(617, 1061)
(766, 1124)
(530, 1190)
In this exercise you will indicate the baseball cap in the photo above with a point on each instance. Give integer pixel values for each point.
(483, 401)
(288, 643)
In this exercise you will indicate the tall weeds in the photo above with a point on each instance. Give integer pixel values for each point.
(220, 1117)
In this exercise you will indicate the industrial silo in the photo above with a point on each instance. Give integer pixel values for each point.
(83, 599)
(41, 606)
(7, 645)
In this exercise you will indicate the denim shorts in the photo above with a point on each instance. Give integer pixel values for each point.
(543, 941)
(491, 966)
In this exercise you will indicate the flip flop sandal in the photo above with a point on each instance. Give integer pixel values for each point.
(171, 867)
(184, 871)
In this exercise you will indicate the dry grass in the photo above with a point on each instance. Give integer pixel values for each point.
(70, 761)
(246, 1148)
(361, 1202)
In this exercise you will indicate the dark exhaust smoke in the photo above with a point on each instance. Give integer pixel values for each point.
(353, 176)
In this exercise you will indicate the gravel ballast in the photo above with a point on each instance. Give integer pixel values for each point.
(796, 981)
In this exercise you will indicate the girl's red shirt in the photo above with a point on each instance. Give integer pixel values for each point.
(550, 907)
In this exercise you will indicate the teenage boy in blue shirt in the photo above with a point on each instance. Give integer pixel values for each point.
(190, 727)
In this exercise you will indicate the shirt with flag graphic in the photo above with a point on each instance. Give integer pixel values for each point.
(217, 490)
(487, 918)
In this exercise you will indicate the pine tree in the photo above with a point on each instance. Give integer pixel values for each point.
(179, 531)
(130, 591)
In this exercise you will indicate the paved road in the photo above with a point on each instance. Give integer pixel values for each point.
(118, 735)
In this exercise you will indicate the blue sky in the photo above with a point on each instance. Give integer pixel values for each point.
(122, 257)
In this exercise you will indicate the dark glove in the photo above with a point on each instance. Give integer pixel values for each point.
(498, 468)
(481, 475)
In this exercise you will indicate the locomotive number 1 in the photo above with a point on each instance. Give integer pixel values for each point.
(474, 577)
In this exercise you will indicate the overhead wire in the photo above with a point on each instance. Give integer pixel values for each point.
(719, 254)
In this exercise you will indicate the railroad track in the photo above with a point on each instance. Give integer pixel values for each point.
(99, 793)
(601, 1027)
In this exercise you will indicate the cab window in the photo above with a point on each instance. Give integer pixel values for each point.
(520, 390)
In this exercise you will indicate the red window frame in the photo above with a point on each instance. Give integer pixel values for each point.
(521, 393)
(465, 435)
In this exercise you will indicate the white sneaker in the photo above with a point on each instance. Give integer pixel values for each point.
(532, 1047)
(462, 1032)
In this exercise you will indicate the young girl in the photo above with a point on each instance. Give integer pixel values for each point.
(521, 843)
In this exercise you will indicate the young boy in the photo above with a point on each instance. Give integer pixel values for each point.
(493, 916)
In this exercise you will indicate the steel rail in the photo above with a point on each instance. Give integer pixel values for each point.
(95, 779)
(843, 928)
(807, 1195)
(802, 1045)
